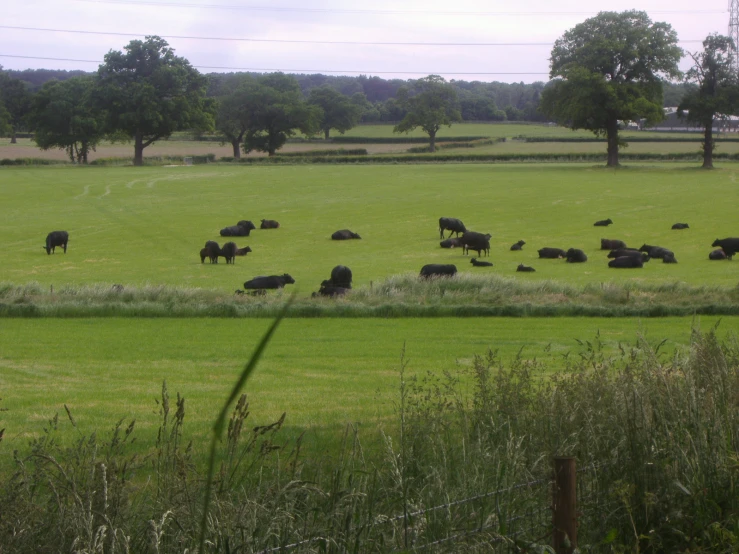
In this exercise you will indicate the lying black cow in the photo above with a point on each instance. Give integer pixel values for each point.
(344, 234)
(629, 252)
(603, 223)
(626, 262)
(681, 226)
(269, 224)
(229, 252)
(330, 290)
(717, 254)
(552, 253)
(477, 263)
(478, 242)
(611, 244)
(235, 231)
(669, 258)
(656, 251)
(518, 245)
(730, 246)
(576, 256)
(243, 251)
(525, 268)
(341, 276)
(452, 224)
(452, 243)
(212, 250)
(54, 239)
(269, 282)
(438, 270)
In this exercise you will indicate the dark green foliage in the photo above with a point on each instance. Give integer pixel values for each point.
(339, 112)
(233, 115)
(30, 161)
(15, 103)
(398, 140)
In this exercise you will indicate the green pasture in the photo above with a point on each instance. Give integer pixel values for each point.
(323, 372)
(146, 225)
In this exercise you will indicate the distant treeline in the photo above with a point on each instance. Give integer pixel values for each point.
(479, 101)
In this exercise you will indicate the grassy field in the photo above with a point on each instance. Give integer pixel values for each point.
(323, 372)
(146, 225)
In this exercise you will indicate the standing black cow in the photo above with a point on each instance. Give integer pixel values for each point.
(478, 242)
(576, 256)
(341, 276)
(452, 224)
(269, 282)
(603, 223)
(212, 251)
(269, 224)
(518, 245)
(552, 253)
(54, 239)
(438, 270)
(344, 234)
(229, 252)
(730, 246)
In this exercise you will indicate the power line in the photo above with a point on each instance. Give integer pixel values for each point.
(263, 69)
(289, 41)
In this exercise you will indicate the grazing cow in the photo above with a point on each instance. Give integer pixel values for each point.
(269, 224)
(344, 234)
(611, 244)
(629, 252)
(717, 254)
(451, 243)
(269, 282)
(229, 252)
(525, 268)
(730, 246)
(518, 245)
(243, 251)
(669, 258)
(453, 224)
(655, 251)
(212, 251)
(54, 239)
(438, 270)
(475, 263)
(330, 290)
(341, 276)
(681, 226)
(552, 253)
(603, 223)
(576, 256)
(626, 262)
(476, 241)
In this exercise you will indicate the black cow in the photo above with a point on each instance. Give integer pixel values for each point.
(603, 223)
(478, 242)
(438, 270)
(626, 262)
(344, 234)
(269, 224)
(518, 245)
(453, 224)
(611, 244)
(576, 256)
(669, 258)
(730, 246)
(341, 276)
(681, 226)
(229, 252)
(451, 243)
(330, 290)
(475, 263)
(717, 254)
(243, 251)
(525, 268)
(269, 282)
(629, 252)
(54, 239)
(246, 224)
(212, 251)
(656, 251)
(235, 231)
(552, 253)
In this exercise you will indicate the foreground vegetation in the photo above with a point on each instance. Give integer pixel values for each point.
(659, 433)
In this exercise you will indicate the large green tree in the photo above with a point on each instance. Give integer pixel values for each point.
(717, 94)
(63, 116)
(339, 111)
(277, 111)
(15, 98)
(430, 103)
(233, 114)
(148, 93)
(609, 69)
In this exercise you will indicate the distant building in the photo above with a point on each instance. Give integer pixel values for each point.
(673, 122)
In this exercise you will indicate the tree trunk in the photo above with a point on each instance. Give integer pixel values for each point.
(612, 134)
(12, 136)
(271, 152)
(236, 143)
(708, 146)
(432, 141)
(325, 133)
(138, 152)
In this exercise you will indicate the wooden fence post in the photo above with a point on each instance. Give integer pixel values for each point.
(564, 505)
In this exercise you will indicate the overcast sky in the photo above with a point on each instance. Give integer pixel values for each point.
(255, 35)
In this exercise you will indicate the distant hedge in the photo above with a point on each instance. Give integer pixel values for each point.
(157, 160)
(626, 139)
(337, 152)
(32, 161)
(400, 140)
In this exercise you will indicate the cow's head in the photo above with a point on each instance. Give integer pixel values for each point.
(288, 280)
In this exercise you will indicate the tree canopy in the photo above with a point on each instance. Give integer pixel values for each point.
(233, 113)
(430, 103)
(15, 102)
(717, 94)
(338, 111)
(63, 116)
(607, 69)
(148, 93)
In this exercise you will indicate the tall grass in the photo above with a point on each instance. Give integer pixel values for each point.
(662, 431)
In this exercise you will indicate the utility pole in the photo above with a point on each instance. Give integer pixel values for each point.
(734, 31)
